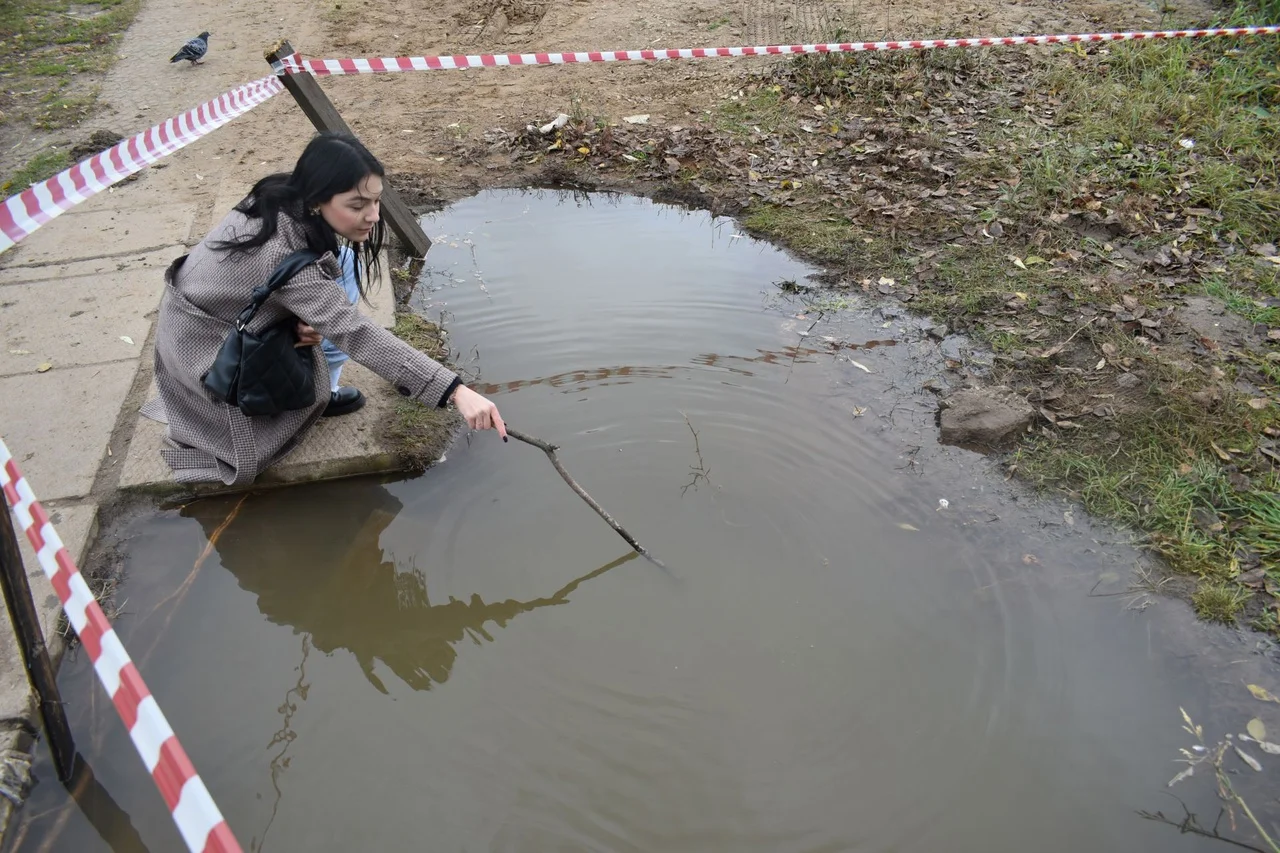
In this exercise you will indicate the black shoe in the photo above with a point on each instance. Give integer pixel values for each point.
(344, 401)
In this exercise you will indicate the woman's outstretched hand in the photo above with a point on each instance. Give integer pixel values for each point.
(478, 411)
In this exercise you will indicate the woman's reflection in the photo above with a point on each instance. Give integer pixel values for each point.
(312, 557)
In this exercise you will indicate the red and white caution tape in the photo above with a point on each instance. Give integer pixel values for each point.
(28, 210)
(201, 824)
(296, 64)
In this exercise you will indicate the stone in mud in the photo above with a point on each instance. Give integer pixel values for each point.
(984, 417)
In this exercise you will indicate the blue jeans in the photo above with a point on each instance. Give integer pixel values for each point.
(333, 355)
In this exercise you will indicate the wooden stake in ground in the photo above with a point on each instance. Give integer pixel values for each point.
(35, 654)
(550, 450)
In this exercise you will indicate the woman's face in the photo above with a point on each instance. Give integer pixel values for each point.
(354, 212)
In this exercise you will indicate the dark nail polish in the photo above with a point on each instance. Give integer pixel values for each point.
(504, 439)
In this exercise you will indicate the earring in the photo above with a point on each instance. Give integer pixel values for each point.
(315, 211)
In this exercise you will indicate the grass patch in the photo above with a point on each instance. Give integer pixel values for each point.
(419, 434)
(827, 239)
(1218, 602)
(1186, 123)
(63, 109)
(44, 165)
(45, 44)
(1160, 473)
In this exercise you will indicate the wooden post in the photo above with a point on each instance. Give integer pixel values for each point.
(35, 655)
(324, 115)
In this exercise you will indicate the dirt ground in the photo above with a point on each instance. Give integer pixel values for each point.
(414, 120)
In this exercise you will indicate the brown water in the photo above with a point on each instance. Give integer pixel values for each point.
(470, 661)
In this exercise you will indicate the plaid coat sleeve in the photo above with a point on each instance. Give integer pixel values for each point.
(317, 300)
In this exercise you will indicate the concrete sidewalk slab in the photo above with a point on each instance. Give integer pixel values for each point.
(126, 232)
(335, 447)
(57, 423)
(140, 264)
(76, 322)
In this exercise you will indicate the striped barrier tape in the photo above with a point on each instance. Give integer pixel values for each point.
(373, 65)
(28, 210)
(201, 824)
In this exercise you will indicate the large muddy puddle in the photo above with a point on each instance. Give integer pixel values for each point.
(837, 661)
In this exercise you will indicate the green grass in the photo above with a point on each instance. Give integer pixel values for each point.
(1241, 302)
(45, 45)
(1219, 602)
(46, 31)
(46, 164)
(61, 109)
(1160, 474)
(1178, 124)
(417, 433)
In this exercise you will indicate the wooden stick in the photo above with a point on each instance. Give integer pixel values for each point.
(35, 654)
(324, 115)
(550, 450)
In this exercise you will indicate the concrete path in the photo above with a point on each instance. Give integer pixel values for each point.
(78, 300)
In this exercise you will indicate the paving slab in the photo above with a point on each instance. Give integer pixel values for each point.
(146, 261)
(335, 447)
(57, 423)
(109, 231)
(76, 322)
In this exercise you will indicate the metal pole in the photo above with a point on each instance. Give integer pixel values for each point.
(35, 655)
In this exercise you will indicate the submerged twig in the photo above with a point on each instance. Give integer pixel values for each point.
(699, 471)
(550, 450)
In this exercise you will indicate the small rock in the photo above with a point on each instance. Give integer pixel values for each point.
(984, 417)
(938, 331)
(1128, 380)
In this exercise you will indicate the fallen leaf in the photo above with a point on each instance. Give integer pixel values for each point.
(1109, 350)
(1262, 694)
(1101, 364)
(1183, 775)
(128, 340)
(1069, 517)
(860, 365)
(1248, 759)
(1257, 730)
(19, 352)
(1017, 262)
(44, 368)
(906, 526)
(584, 150)
(885, 280)
(642, 118)
(1030, 559)
(1032, 260)
(859, 411)
(1269, 748)
(1259, 403)
(1222, 454)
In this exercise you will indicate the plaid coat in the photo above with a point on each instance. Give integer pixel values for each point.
(209, 440)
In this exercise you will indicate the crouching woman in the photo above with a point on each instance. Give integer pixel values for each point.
(329, 204)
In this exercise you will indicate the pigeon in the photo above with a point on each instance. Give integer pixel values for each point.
(194, 50)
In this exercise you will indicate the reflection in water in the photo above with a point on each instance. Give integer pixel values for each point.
(355, 599)
(602, 377)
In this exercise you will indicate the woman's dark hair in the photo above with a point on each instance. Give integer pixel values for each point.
(332, 163)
